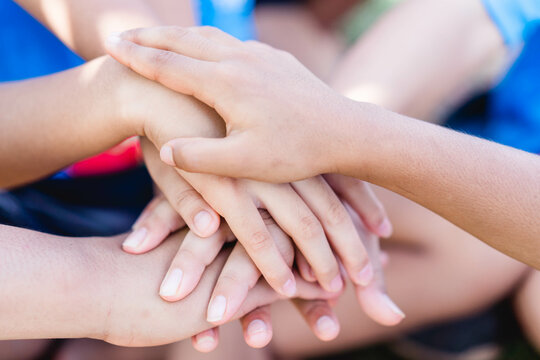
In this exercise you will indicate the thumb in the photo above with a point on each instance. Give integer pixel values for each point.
(221, 156)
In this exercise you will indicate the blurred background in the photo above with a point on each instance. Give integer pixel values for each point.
(380, 51)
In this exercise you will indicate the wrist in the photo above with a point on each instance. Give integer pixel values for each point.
(121, 89)
(365, 140)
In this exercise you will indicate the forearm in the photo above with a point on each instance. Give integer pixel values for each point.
(489, 190)
(50, 122)
(84, 25)
(48, 287)
(438, 54)
(54, 287)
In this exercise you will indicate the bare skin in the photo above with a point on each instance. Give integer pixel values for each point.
(428, 164)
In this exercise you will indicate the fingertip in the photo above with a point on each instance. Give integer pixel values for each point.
(380, 307)
(206, 223)
(327, 328)
(385, 228)
(166, 155)
(289, 288)
(365, 276)
(206, 341)
(133, 243)
(258, 334)
(171, 284)
(113, 40)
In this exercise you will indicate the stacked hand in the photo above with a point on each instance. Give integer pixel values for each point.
(309, 212)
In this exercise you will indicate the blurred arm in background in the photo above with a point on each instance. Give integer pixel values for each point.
(84, 25)
(422, 57)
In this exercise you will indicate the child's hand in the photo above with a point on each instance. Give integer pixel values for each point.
(240, 273)
(283, 123)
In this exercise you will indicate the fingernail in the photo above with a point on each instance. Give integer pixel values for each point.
(216, 309)
(365, 275)
(392, 306)
(326, 326)
(289, 289)
(336, 284)
(171, 283)
(385, 228)
(205, 341)
(202, 221)
(135, 239)
(166, 155)
(113, 39)
(257, 328)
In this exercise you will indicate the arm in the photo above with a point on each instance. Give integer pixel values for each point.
(48, 281)
(442, 51)
(83, 111)
(487, 189)
(84, 25)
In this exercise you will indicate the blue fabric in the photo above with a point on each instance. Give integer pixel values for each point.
(515, 103)
(510, 114)
(513, 17)
(99, 206)
(235, 17)
(27, 48)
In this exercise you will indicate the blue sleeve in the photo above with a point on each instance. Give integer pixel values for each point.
(512, 17)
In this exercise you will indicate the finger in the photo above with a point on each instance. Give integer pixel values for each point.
(182, 40)
(262, 294)
(222, 156)
(360, 196)
(238, 276)
(186, 201)
(320, 317)
(187, 267)
(373, 298)
(257, 327)
(147, 211)
(207, 341)
(152, 229)
(378, 305)
(338, 226)
(304, 268)
(181, 73)
(251, 231)
(296, 219)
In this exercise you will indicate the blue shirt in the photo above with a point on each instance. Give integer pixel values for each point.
(514, 105)
(27, 48)
(514, 18)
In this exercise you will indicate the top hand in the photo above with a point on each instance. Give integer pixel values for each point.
(264, 95)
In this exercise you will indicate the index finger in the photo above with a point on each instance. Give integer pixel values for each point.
(181, 73)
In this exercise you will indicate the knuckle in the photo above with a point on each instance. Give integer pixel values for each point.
(186, 198)
(326, 270)
(260, 240)
(186, 255)
(266, 217)
(310, 227)
(315, 308)
(160, 60)
(235, 281)
(229, 73)
(336, 214)
(375, 217)
(209, 31)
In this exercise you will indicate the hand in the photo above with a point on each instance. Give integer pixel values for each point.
(322, 211)
(128, 314)
(240, 274)
(316, 211)
(308, 211)
(283, 123)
